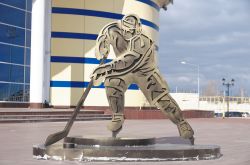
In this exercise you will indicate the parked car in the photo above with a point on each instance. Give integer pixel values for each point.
(233, 114)
(245, 114)
(218, 114)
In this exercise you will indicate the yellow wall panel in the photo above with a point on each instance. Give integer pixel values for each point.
(106, 5)
(68, 3)
(60, 96)
(142, 10)
(151, 33)
(96, 97)
(89, 48)
(67, 23)
(60, 71)
(67, 47)
(77, 72)
(76, 94)
(67, 71)
(119, 6)
(88, 70)
(93, 25)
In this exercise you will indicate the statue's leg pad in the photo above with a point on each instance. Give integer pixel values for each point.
(168, 105)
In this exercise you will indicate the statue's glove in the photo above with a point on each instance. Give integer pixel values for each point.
(99, 74)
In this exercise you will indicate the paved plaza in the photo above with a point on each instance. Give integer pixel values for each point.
(233, 135)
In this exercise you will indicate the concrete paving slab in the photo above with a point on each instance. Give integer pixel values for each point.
(233, 135)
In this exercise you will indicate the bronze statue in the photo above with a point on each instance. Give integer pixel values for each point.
(134, 63)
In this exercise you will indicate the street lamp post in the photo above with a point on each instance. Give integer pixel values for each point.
(198, 79)
(228, 85)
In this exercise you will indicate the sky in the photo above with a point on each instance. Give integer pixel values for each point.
(214, 34)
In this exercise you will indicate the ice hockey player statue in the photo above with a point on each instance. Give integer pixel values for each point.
(134, 63)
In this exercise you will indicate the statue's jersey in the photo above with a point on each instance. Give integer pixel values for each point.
(136, 54)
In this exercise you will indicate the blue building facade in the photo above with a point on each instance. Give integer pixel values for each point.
(15, 39)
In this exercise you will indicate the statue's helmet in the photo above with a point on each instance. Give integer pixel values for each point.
(131, 25)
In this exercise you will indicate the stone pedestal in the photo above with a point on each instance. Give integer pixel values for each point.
(126, 149)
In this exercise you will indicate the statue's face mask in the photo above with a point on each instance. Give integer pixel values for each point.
(130, 27)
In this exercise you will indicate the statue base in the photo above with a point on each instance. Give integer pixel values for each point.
(126, 149)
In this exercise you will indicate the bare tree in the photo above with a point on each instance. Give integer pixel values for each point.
(242, 92)
(211, 89)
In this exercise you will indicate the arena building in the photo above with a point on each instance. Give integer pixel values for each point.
(47, 54)
(47, 49)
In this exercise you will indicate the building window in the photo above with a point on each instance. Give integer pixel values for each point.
(15, 39)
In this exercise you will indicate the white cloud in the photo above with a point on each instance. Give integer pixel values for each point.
(206, 41)
(238, 51)
(184, 79)
(214, 39)
(186, 14)
(214, 34)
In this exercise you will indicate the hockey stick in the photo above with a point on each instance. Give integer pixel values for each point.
(55, 137)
